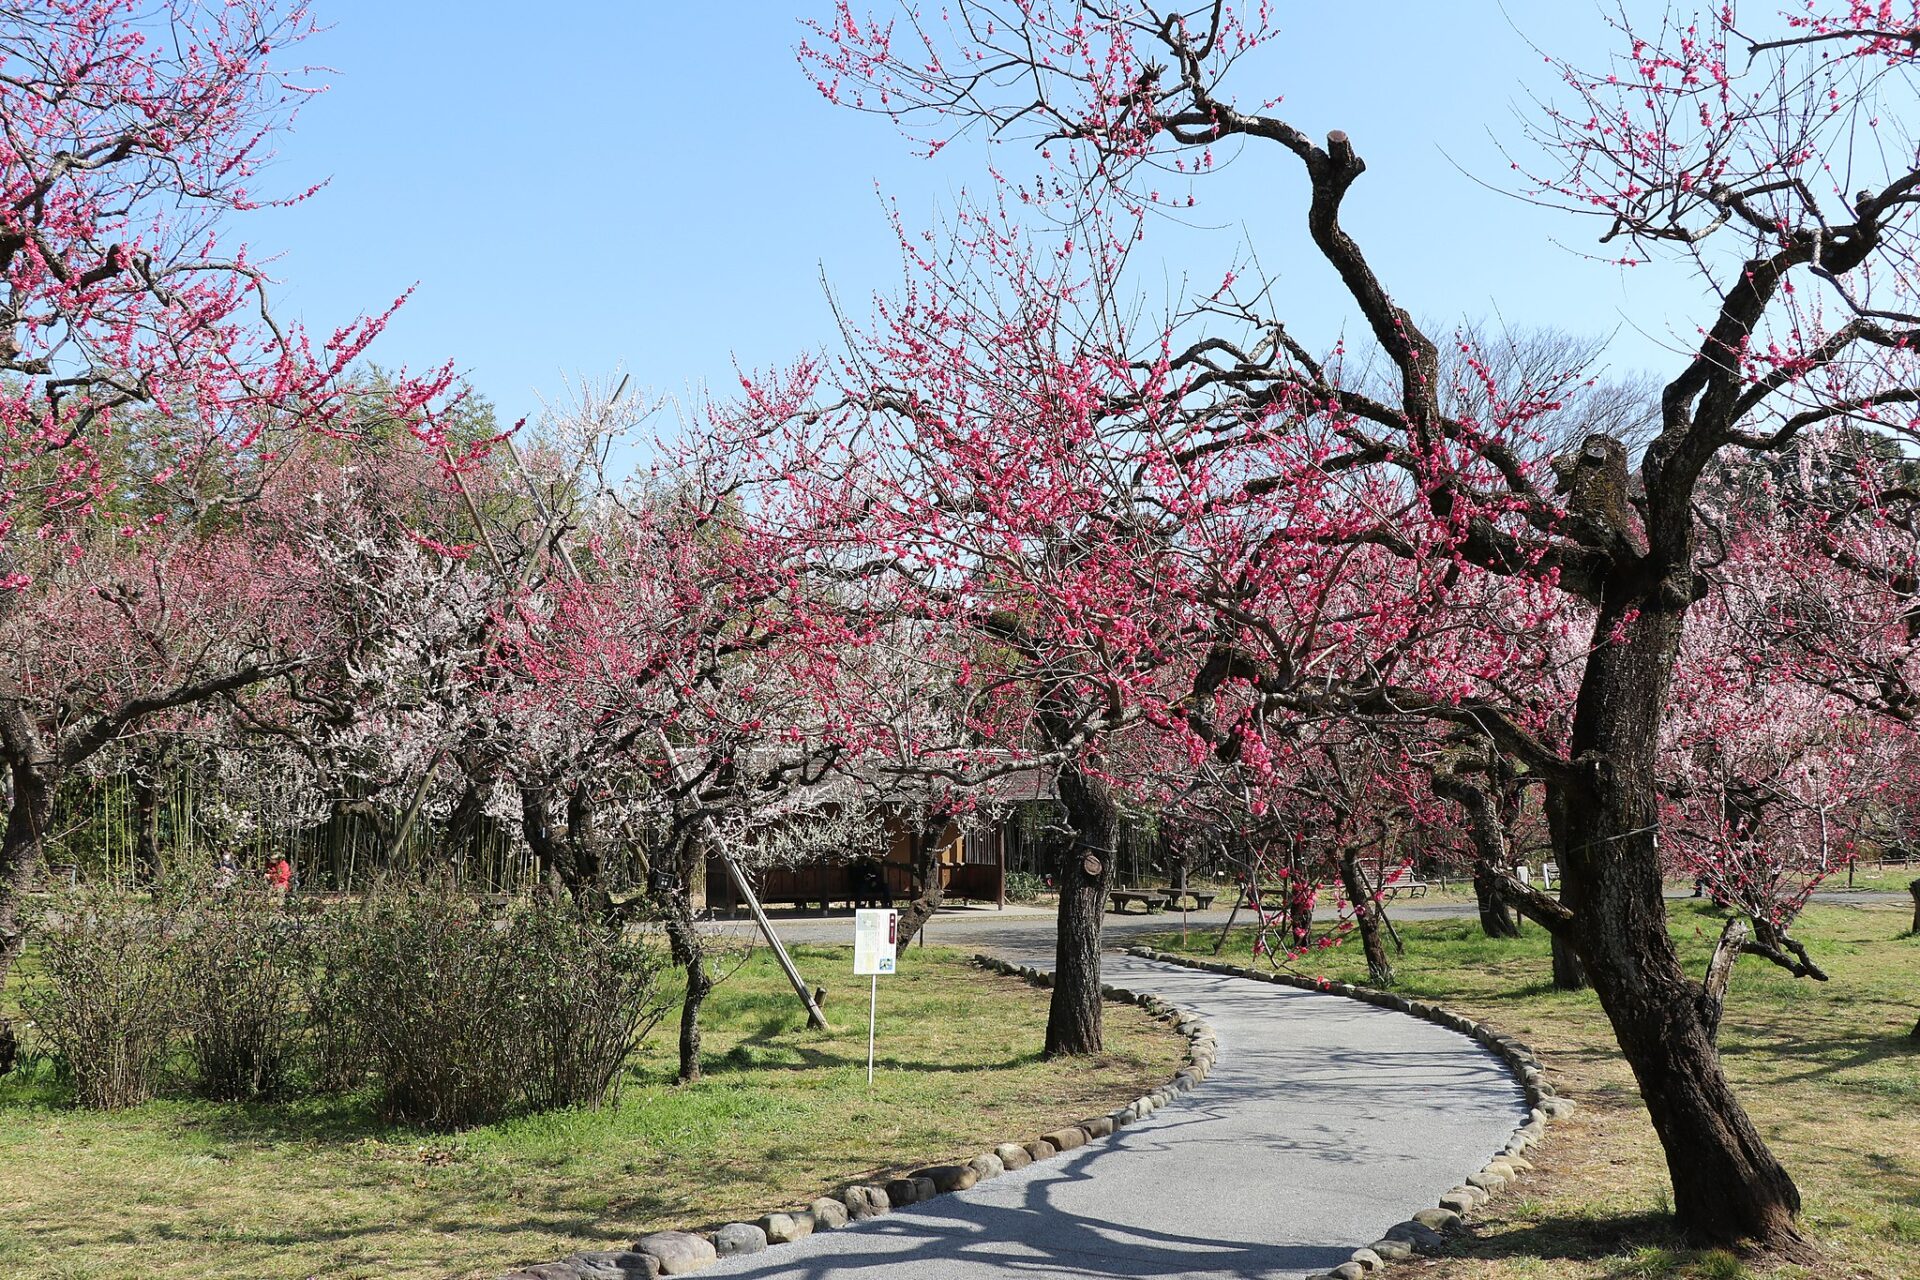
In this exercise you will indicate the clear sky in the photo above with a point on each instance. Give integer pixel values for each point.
(589, 184)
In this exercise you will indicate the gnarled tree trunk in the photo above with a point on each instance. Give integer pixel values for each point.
(1085, 875)
(1367, 916)
(1567, 973)
(667, 892)
(1497, 919)
(32, 772)
(573, 857)
(1488, 833)
(1727, 1186)
(1914, 889)
(928, 891)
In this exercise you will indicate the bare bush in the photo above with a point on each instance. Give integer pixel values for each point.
(105, 1001)
(239, 964)
(466, 1017)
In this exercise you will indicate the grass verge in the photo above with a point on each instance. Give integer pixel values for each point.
(187, 1190)
(1828, 1072)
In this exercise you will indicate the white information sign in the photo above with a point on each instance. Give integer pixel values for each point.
(874, 936)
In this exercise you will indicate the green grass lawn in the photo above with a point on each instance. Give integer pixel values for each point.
(1827, 1070)
(193, 1190)
(1871, 877)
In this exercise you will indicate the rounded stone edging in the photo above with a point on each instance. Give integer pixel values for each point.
(1422, 1233)
(680, 1252)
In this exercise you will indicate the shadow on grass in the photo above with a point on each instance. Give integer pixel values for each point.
(1828, 1055)
(1571, 1237)
(334, 1118)
(579, 1226)
(799, 1057)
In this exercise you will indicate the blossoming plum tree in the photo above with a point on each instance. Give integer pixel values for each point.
(136, 349)
(1693, 142)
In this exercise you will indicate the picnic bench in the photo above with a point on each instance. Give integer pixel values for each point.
(1201, 899)
(1152, 899)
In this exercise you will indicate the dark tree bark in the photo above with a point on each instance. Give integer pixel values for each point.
(29, 814)
(928, 891)
(689, 952)
(1727, 1186)
(467, 824)
(1368, 917)
(667, 893)
(572, 857)
(1913, 887)
(1299, 896)
(1084, 874)
(1567, 973)
(1488, 833)
(1497, 919)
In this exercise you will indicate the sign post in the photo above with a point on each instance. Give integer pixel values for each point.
(875, 934)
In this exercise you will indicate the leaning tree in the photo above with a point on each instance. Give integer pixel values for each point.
(1771, 167)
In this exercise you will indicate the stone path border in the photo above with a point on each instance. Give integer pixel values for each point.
(680, 1252)
(1422, 1232)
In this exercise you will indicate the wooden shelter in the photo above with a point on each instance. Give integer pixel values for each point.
(971, 862)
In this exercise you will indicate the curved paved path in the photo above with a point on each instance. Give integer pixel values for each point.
(1324, 1122)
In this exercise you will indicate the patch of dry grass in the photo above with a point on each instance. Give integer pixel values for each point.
(1828, 1072)
(188, 1190)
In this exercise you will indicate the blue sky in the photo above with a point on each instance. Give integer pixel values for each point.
(587, 184)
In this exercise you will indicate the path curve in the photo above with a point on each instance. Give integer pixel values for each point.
(1324, 1122)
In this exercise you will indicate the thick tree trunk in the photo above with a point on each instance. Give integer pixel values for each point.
(574, 857)
(1567, 973)
(1914, 888)
(467, 825)
(699, 986)
(1486, 827)
(1084, 875)
(28, 814)
(1367, 917)
(1727, 1186)
(1497, 919)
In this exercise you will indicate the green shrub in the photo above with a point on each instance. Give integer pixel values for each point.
(464, 1017)
(432, 990)
(240, 961)
(1024, 886)
(592, 995)
(335, 1049)
(106, 1002)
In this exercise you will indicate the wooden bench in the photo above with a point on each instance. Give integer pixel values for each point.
(1410, 888)
(1152, 899)
(1201, 901)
